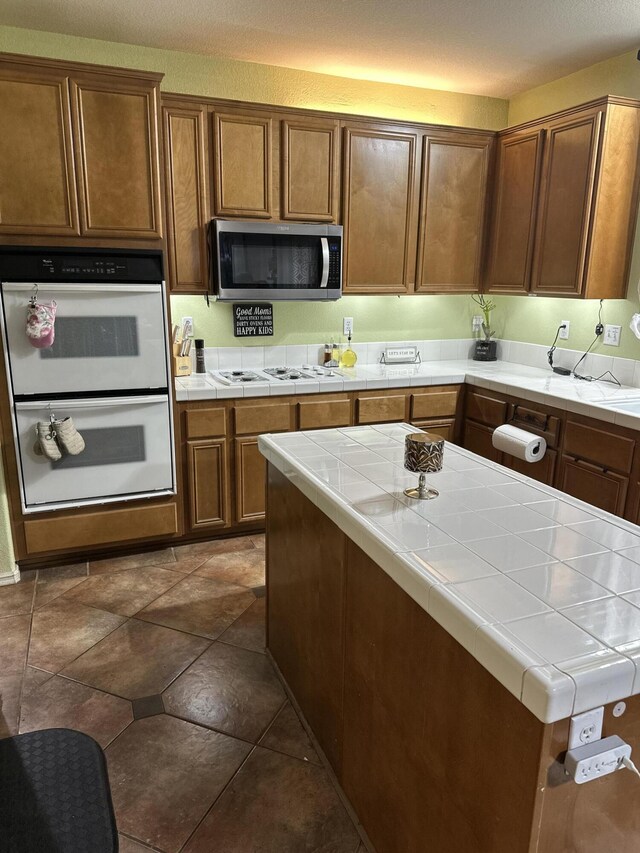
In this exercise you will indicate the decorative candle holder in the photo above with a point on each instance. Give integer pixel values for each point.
(423, 452)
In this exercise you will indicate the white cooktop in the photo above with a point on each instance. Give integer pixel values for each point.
(540, 588)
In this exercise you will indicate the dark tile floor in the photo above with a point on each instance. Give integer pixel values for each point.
(160, 657)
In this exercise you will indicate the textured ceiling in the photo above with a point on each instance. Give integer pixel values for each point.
(493, 48)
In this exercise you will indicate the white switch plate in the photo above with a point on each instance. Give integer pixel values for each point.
(347, 325)
(612, 335)
(564, 333)
(477, 323)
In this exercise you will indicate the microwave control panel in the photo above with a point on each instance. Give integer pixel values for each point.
(335, 262)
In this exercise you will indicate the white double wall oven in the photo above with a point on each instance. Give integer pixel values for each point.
(107, 369)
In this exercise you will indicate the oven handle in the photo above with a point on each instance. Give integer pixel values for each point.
(104, 403)
(83, 288)
(325, 261)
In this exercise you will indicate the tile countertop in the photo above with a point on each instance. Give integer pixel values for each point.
(542, 589)
(533, 383)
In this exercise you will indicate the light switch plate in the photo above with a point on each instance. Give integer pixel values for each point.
(612, 335)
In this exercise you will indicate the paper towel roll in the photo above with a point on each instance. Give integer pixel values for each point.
(519, 443)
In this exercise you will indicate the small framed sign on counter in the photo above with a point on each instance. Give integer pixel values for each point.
(252, 319)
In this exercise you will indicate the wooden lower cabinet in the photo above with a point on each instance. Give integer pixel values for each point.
(322, 414)
(445, 428)
(250, 481)
(544, 471)
(604, 489)
(381, 408)
(208, 483)
(477, 439)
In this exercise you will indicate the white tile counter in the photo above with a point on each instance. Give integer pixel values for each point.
(542, 589)
(594, 399)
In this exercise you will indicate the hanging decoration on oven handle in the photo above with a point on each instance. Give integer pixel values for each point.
(57, 436)
(41, 318)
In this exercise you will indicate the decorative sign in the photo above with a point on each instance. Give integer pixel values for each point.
(252, 319)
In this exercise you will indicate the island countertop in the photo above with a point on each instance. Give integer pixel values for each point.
(542, 589)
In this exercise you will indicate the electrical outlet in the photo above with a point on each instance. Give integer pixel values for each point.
(186, 323)
(585, 728)
(612, 335)
(594, 760)
(347, 325)
(564, 333)
(476, 323)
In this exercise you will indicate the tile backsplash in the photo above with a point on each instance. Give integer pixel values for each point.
(625, 370)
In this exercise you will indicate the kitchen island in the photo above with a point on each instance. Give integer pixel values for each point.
(438, 649)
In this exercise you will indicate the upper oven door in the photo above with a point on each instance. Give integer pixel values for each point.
(272, 261)
(107, 338)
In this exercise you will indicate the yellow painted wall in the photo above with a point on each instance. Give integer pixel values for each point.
(535, 320)
(194, 74)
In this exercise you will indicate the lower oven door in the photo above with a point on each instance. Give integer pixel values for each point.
(128, 452)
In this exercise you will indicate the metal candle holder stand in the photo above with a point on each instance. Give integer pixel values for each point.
(423, 454)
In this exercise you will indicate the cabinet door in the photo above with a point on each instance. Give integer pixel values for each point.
(379, 192)
(309, 169)
(516, 189)
(594, 485)
(243, 165)
(544, 471)
(251, 471)
(564, 214)
(208, 483)
(116, 142)
(37, 183)
(477, 439)
(185, 164)
(453, 206)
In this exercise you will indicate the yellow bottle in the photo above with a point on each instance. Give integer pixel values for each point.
(348, 357)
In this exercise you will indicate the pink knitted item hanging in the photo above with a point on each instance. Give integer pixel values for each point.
(40, 324)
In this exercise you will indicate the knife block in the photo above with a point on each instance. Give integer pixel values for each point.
(181, 363)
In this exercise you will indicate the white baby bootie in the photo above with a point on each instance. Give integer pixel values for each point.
(46, 444)
(69, 438)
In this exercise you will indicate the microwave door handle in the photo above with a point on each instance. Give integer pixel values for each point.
(325, 261)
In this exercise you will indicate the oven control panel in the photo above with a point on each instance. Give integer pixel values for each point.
(39, 264)
(74, 265)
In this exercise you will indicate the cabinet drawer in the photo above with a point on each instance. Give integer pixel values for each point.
(314, 414)
(536, 421)
(445, 428)
(252, 420)
(606, 448)
(377, 410)
(202, 423)
(102, 527)
(488, 410)
(437, 403)
(603, 489)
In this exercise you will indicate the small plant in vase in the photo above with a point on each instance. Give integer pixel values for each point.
(485, 350)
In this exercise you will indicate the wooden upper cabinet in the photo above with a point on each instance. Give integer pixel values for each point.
(379, 209)
(242, 161)
(185, 163)
(517, 179)
(116, 130)
(455, 174)
(37, 181)
(569, 169)
(310, 169)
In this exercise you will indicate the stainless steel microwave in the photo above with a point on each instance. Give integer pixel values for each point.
(276, 261)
